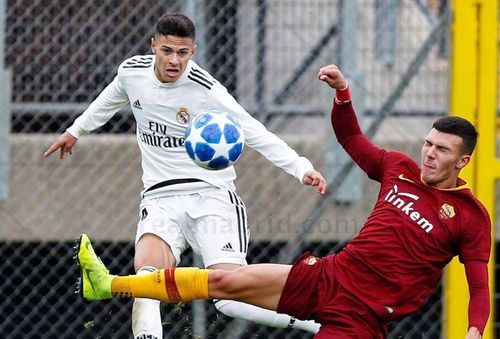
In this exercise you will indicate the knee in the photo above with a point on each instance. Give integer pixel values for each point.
(151, 250)
(224, 284)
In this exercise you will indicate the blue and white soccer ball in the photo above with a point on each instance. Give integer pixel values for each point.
(214, 140)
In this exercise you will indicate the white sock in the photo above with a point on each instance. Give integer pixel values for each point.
(146, 317)
(236, 309)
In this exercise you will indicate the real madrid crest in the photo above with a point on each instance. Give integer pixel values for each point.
(183, 115)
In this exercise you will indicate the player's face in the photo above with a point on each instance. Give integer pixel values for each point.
(442, 159)
(172, 56)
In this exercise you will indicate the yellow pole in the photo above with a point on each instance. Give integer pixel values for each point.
(487, 164)
(473, 96)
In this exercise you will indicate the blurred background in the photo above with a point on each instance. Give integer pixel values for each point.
(55, 58)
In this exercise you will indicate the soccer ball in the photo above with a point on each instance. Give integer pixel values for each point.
(214, 140)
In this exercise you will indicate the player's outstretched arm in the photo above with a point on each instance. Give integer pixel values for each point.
(315, 179)
(64, 142)
(259, 285)
(479, 302)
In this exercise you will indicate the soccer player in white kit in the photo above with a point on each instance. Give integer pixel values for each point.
(183, 204)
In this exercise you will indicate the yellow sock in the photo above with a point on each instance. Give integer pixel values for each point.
(170, 285)
(192, 283)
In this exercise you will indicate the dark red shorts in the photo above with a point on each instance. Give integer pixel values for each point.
(312, 292)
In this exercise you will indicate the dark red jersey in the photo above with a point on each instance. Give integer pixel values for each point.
(412, 233)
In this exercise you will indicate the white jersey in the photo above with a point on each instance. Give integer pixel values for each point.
(162, 112)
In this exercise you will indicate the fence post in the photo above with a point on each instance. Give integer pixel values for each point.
(5, 97)
(350, 189)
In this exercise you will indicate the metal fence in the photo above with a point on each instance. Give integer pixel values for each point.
(267, 53)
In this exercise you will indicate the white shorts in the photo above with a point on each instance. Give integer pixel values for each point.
(213, 223)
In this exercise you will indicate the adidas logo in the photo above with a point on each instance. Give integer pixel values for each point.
(227, 247)
(144, 214)
(137, 104)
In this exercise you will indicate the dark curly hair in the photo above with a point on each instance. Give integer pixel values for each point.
(460, 127)
(176, 24)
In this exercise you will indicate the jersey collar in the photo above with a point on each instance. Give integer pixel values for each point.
(461, 184)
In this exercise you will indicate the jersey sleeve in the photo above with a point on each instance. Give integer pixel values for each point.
(109, 101)
(370, 158)
(474, 241)
(258, 137)
(479, 293)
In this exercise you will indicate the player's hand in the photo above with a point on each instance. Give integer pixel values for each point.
(314, 178)
(333, 77)
(473, 333)
(65, 142)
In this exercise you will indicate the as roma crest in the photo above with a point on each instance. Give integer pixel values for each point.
(310, 261)
(446, 211)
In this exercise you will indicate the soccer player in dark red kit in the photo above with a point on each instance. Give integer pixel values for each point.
(424, 216)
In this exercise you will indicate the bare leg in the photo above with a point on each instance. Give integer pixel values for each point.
(151, 250)
(151, 253)
(259, 315)
(259, 285)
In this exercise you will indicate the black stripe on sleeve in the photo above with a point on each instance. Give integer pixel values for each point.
(200, 74)
(137, 66)
(199, 82)
(201, 78)
(143, 62)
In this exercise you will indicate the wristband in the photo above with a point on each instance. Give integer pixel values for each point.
(343, 95)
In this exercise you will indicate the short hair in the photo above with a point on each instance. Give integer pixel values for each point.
(176, 24)
(460, 127)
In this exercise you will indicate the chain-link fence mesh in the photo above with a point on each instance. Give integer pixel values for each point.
(267, 53)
